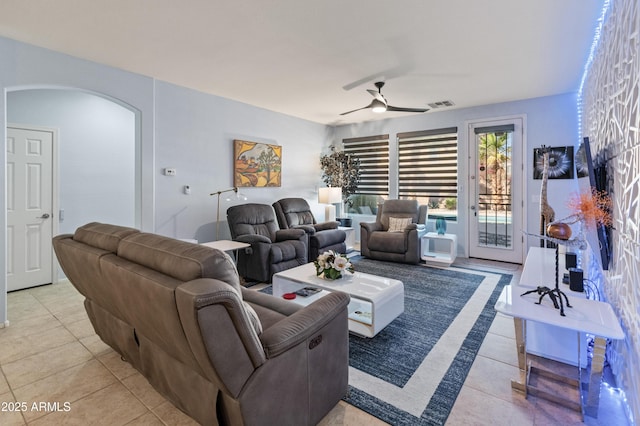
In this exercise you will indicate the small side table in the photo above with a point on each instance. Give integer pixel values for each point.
(431, 253)
(585, 316)
(351, 237)
(227, 245)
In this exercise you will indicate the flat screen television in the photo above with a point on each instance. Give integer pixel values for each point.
(591, 176)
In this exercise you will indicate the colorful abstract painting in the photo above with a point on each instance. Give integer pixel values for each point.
(257, 164)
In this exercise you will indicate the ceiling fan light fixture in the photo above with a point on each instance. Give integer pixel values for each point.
(378, 106)
(379, 103)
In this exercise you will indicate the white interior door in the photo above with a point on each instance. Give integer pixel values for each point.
(496, 219)
(29, 207)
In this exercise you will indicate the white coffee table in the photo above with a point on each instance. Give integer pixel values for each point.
(375, 301)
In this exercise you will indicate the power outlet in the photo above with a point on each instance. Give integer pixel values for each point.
(169, 172)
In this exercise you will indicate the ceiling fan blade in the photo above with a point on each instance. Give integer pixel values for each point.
(398, 109)
(349, 112)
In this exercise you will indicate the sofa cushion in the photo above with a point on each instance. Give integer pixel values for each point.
(391, 242)
(292, 212)
(252, 218)
(102, 235)
(179, 259)
(185, 261)
(398, 208)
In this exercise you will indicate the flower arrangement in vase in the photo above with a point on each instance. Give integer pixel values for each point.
(331, 265)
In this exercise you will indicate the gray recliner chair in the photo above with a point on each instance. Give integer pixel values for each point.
(272, 249)
(295, 213)
(395, 235)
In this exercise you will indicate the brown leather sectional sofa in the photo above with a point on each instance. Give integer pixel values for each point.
(221, 353)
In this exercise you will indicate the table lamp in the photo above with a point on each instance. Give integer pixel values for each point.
(329, 196)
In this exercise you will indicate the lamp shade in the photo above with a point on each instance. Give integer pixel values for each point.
(330, 195)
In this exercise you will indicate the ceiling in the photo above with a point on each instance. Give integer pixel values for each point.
(315, 60)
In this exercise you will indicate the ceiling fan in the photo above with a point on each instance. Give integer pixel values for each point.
(379, 103)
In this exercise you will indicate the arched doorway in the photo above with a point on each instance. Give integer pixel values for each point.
(97, 157)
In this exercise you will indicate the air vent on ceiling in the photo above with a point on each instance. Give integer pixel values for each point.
(441, 104)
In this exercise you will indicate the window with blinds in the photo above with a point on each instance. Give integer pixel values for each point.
(428, 169)
(373, 152)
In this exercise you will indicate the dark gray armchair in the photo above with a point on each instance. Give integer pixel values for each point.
(388, 238)
(272, 249)
(295, 213)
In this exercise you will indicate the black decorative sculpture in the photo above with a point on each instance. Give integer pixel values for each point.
(557, 296)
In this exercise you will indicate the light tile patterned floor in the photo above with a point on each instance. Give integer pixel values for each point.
(50, 354)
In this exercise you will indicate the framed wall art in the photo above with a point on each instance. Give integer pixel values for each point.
(560, 162)
(256, 164)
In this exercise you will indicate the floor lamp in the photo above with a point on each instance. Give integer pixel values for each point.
(329, 196)
(238, 196)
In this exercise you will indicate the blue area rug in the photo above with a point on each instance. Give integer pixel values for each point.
(433, 299)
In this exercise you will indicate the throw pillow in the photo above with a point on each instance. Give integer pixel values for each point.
(397, 224)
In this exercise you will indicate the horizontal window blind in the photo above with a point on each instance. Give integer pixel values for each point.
(373, 152)
(505, 128)
(428, 163)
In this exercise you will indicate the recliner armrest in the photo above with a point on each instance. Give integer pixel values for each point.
(309, 229)
(289, 234)
(326, 225)
(303, 324)
(372, 226)
(410, 227)
(253, 238)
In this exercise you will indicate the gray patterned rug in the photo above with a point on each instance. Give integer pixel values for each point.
(412, 371)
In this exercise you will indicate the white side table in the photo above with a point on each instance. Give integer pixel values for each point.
(585, 316)
(351, 237)
(431, 248)
(546, 340)
(227, 245)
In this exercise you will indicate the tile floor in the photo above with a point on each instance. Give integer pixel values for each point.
(50, 354)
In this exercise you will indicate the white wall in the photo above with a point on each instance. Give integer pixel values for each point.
(611, 117)
(550, 121)
(96, 150)
(194, 135)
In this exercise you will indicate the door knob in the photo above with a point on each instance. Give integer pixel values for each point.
(473, 207)
(44, 216)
